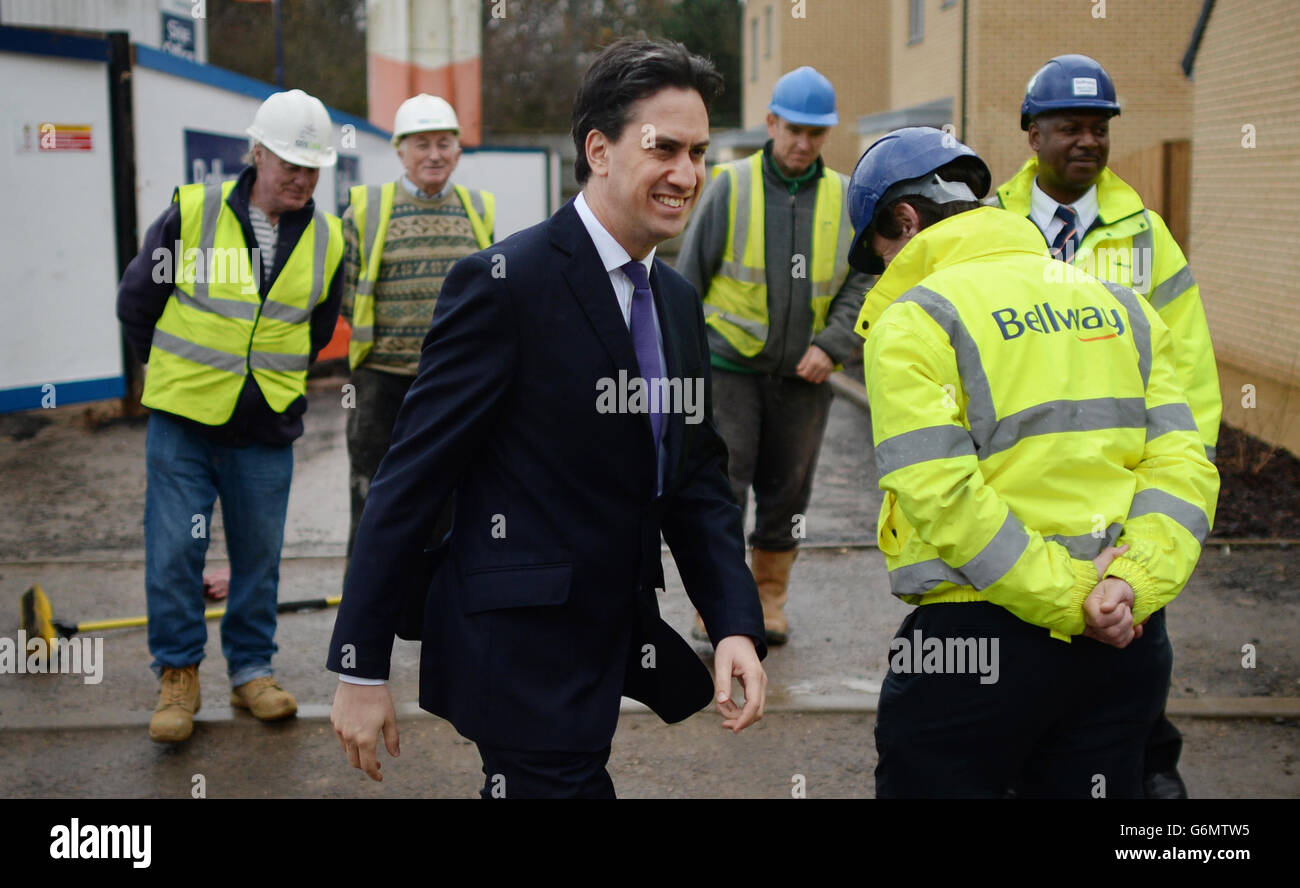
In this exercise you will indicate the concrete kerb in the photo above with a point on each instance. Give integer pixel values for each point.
(815, 704)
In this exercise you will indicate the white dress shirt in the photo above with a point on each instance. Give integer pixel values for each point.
(613, 257)
(1042, 210)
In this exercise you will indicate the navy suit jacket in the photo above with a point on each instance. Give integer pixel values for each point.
(539, 610)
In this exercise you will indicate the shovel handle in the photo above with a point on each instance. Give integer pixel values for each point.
(212, 613)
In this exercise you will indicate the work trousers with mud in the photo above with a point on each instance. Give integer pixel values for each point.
(370, 422)
(773, 426)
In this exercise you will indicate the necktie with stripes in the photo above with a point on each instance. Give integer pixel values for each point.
(1067, 240)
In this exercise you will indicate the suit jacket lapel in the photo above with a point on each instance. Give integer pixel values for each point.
(587, 279)
(589, 283)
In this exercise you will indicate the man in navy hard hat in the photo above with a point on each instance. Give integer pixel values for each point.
(1013, 413)
(780, 301)
(1095, 221)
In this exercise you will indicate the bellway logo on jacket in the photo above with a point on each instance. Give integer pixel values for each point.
(1043, 318)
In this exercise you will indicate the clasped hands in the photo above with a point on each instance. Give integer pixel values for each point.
(1108, 609)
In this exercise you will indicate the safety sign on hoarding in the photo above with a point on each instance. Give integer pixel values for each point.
(42, 137)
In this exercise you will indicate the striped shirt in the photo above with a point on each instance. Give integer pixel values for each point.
(266, 235)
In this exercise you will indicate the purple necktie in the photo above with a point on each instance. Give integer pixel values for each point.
(642, 327)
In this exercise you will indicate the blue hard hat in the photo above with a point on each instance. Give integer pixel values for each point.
(902, 156)
(1068, 81)
(805, 96)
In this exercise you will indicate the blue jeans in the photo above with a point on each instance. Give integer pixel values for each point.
(186, 473)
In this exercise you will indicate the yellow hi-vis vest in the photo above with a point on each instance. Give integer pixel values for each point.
(480, 206)
(736, 303)
(216, 329)
(1131, 246)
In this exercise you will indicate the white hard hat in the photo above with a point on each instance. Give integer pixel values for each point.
(423, 114)
(296, 128)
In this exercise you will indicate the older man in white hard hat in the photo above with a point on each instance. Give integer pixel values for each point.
(236, 288)
(402, 239)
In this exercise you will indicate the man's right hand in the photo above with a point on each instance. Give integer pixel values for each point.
(1109, 554)
(359, 714)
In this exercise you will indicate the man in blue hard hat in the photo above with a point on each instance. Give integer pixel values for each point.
(1015, 414)
(767, 249)
(1093, 220)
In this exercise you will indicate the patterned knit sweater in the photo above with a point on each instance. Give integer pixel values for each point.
(424, 239)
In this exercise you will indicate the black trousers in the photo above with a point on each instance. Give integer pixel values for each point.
(527, 774)
(1060, 720)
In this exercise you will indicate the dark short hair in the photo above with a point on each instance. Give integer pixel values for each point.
(927, 210)
(626, 72)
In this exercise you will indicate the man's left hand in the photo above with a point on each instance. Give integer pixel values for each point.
(737, 658)
(815, 365)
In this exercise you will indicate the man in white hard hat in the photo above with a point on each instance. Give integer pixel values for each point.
(402, 238)
(235, 290)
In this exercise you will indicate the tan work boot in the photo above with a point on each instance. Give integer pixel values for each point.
(772, 575)
(698, 632)
(178, 700)
(264, 698)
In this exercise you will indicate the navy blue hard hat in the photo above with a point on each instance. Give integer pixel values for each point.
(1068, 81)
(805, 96)
(903, 156)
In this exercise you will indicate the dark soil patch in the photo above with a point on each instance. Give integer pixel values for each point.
(21, 426)
(1259, 490)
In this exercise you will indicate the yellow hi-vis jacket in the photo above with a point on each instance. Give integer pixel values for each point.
(736, 303)
(1022, 425)
(372, 231)
(1131, 245)
(216, 329)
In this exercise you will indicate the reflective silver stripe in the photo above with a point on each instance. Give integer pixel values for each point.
(753, 328)
(843, 243)
(476, 201)
(922, 445)
(374, 196)
(264, 360)
(1209, 452)
(919, 578)
(363, 334)
(1158, 502)
(743, 273)
(289, 314)
(1138, 323)
(1144, 248)
(741, 182)
(979, 407)
(1085, 546)
(999, 556)
(1177, 285)
(320, 246)
(207, 237)
(199, 354)
(1051, 417)
(1169, 418)
(226, 308)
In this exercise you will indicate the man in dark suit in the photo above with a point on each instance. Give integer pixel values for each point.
(563, 394)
